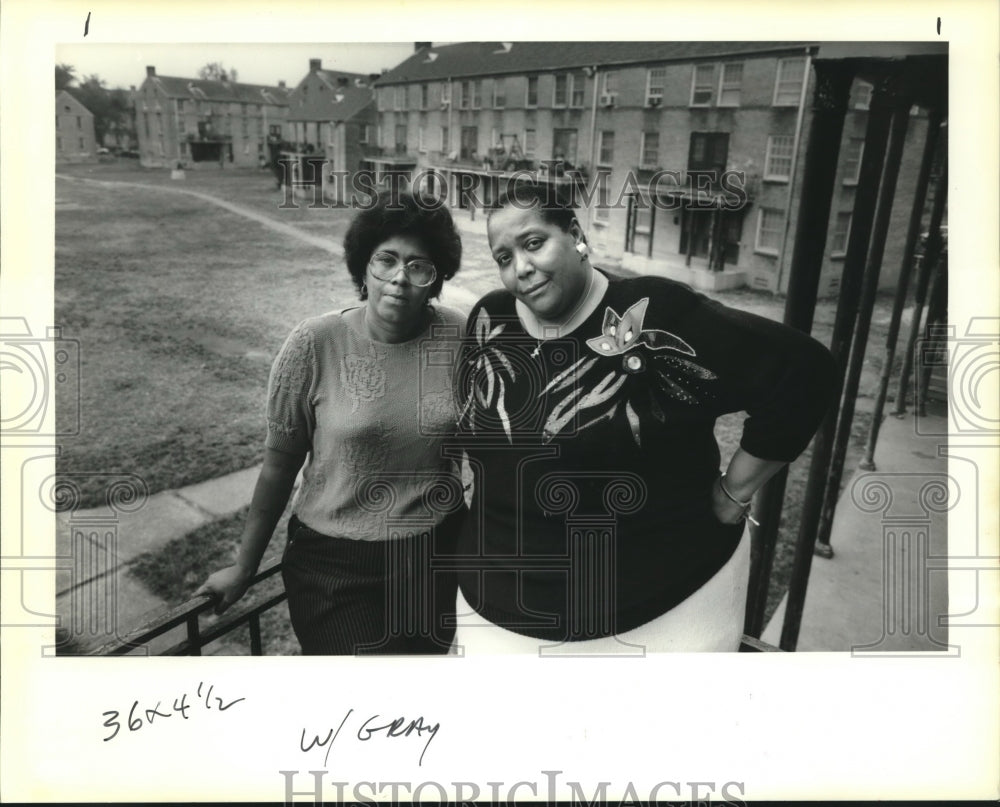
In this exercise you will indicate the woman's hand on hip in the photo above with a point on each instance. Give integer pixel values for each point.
(226, 586)
(725, 509)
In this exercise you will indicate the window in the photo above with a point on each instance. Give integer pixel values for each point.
(445, 94)
(180, 106)
(499, 93)
(769, 226)
(531, 98)
(840, 235)
(649, 150)
(568, 90)
(424, 95)
(495, 137)
(245, 127)
(564, 145)
(788, 83)
(445, 140)
(709, 152)
(465, 89)
(421, 134)
(731, 84)
(529, 142)
(703, 84)
(400, 99)
(469, 143)
(656, 79)
(606, 149)
(576, 83)
(365, 134)
(401, 138)
(477, 94)
(180, 125)
(778, 162)
(852, 160)
(559, 93)
(79, 122)
(610, 83)
(863, 95)
(145, 122)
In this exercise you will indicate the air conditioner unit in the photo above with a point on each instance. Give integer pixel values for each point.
(445, 103)
(654, 102)
(609, 98)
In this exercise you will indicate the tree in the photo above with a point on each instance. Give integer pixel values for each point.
(216, 71)
(111, 108)
(65, 75)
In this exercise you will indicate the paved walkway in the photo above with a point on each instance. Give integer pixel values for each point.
(885, 588)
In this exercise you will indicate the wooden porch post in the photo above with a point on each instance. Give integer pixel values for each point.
(873, 267)
(876, 135)
(833, 85)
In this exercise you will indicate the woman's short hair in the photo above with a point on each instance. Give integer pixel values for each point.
(553, 204)
(396, 212)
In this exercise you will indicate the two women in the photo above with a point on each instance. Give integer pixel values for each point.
(360, 400)
(587, 405)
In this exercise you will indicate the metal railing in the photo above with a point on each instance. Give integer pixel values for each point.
(246, 612)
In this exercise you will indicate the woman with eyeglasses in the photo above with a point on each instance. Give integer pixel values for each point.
(360, 401)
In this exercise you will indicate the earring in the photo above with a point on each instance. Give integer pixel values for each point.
(364, 289)
(582, 249)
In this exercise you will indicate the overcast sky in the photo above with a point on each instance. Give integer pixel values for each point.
(122, 65)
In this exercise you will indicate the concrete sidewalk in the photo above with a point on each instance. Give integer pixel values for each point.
(885, 588)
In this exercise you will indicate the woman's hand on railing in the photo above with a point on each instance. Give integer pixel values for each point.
(226, 586)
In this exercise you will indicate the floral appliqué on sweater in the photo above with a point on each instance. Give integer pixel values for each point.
(363, 376)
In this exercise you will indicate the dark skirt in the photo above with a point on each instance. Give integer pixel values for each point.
(350, 597)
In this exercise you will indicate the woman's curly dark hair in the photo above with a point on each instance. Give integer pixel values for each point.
(401, 213)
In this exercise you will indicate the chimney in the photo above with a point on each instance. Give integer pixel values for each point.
(373, 76)
(150, 70)
(281, 84)
(419, 46)
(342, 81)
(315, 64)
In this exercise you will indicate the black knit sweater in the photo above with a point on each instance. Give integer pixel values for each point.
(594, 454)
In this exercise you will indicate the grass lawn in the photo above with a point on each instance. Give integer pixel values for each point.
(180, 306)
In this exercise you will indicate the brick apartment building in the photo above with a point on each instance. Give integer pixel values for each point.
(664, 121)
(202, 121)
(75, 140)
(331, 126)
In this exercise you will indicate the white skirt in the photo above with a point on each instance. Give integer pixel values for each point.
(710, 620)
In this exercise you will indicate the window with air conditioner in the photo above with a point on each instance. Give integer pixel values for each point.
(656, 79)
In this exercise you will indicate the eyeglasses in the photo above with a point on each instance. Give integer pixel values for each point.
(419, 272)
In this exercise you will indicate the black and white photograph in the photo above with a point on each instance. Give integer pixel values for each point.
(610, 388)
